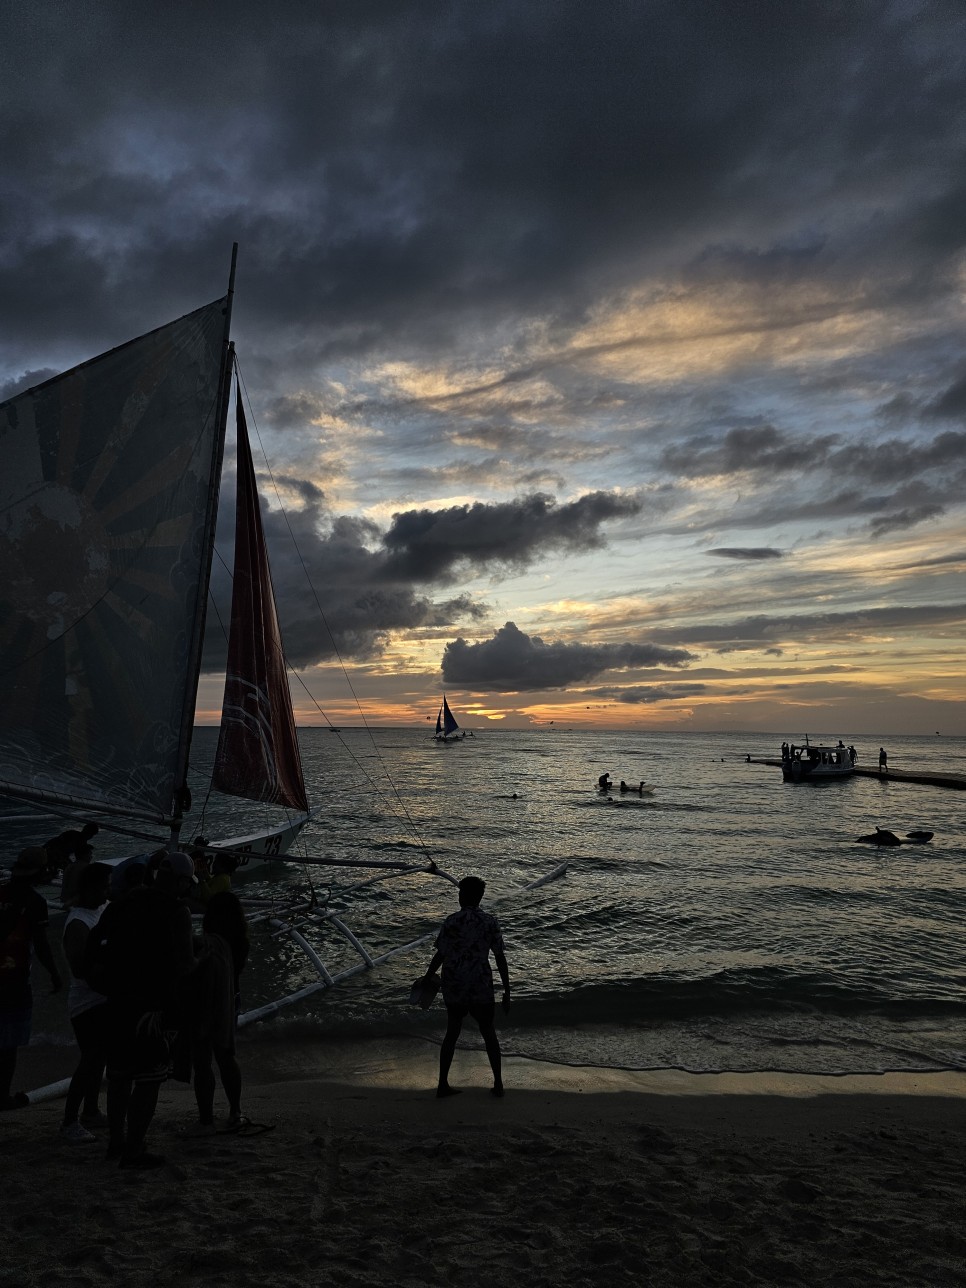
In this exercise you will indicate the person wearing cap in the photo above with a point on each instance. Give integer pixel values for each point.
(23, 934)
(139, 953)
(463, 948)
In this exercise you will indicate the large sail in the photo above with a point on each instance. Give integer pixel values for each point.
(445, 721)
(258, 755)
(106, 499)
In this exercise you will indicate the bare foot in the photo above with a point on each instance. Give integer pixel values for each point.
(447, 1090)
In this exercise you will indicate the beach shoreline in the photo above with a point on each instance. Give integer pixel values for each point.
(354, 1173)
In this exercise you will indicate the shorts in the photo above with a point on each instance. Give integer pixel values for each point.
(15, 1026)
(482, 1012)
(91, 1028)
(138, 1045)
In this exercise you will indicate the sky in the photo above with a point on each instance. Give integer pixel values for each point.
(608, 360)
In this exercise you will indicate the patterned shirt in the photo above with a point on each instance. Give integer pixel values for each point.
(465, 942)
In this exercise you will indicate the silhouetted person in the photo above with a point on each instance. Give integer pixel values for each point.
(63, 849)
(463, 948)
(86, 1008)
(853, 755)
(883, 761)
(604, 783)
(214, 992)
(23, 933)
(138, 955)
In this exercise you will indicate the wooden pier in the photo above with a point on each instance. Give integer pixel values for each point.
(956, 781)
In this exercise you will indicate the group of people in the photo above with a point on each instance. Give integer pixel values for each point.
(147, 998)
(791, 752)
(604, 784)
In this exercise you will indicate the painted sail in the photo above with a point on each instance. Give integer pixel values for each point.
(107, 496)
(445, 721)
(258, 754)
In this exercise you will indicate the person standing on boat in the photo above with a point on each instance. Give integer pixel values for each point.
(68, 846)
(23, 934)
(883, 761)
(463, 948)
(139, 955)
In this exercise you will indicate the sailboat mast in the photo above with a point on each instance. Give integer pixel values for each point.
(181, 802)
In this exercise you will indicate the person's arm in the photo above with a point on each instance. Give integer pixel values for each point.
(500, 958)
(183, 945)
(46, 958)
(435, 964)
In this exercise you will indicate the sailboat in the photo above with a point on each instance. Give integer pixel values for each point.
(447, 730)
(108, 502)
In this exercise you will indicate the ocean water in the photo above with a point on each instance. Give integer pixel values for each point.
(728, 921)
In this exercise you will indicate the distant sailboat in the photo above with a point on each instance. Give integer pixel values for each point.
(447, 729)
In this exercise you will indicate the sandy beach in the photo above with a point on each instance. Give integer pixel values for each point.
(577, 1176)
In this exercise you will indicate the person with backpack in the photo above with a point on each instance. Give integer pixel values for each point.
(23, 934)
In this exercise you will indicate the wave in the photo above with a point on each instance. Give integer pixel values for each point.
(730, 993)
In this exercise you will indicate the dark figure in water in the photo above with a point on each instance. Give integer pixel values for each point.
(624, 786)
(604, 783)
(881, 836)
(853, 755)
(883, 761)
(463, 948)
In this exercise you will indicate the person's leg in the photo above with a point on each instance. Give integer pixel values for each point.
(231, 1080)
(85, 1085)
(8, 1065)
(81, 1074)
(140, 1111)
(454, 1024)
(485, 1016)
(118, 1098)
(204, 1081)
(92, 1087)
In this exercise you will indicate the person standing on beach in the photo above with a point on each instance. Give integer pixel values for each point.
(213, 1003)
(86, 1008)
(463, 948)
(23, 934)
(139, 954)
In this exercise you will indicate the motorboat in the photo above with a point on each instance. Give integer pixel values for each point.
(815, 762)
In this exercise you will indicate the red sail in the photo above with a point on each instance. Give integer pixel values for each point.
(258, 755)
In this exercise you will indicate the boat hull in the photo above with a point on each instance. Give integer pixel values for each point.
(258, 849)
(803, 771)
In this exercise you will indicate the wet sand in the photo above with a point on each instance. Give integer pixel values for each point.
(587, 1177)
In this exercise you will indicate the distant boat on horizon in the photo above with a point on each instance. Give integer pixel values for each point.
(447, 728)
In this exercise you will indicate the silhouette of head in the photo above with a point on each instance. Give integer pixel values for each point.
(471, 892)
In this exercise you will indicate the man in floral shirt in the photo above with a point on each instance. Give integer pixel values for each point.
(463, 948)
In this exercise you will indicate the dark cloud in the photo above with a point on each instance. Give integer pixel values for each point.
(757, 447)
(512, 661)
(428, 546)
(750, 554)
(951, 403)
(643, 694)
(390, 170)
(343, 585)
(753, 632)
